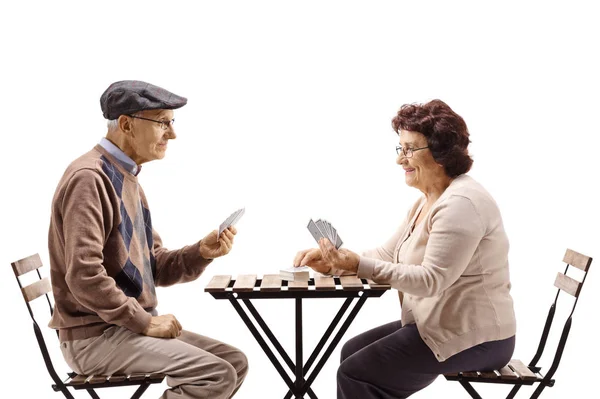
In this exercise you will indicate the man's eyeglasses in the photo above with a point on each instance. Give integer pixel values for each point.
(163, 124)
(407, 152)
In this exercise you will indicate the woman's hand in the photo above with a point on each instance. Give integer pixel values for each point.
(327, 257)
(342, 259)
(313, 259)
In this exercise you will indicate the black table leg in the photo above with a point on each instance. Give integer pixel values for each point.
(277, 345)
(262, 342)
(299, 373)
(300, 386)
(335, 341)
(327, 334)
(321, 344)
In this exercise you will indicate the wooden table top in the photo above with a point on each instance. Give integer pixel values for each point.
(271, 285)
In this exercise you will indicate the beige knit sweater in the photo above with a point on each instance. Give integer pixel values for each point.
(452, 270)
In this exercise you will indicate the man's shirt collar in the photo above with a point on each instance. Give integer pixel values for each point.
(120, 156)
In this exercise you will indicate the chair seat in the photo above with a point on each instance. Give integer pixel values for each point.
(104, 381)
(516, 372)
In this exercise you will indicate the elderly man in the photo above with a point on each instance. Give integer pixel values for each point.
(106, 259)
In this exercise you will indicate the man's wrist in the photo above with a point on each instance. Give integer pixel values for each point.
(203, 255)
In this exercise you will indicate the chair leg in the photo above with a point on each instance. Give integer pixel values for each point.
(138, 393)
(93, 393)
(469, 388)
(513, 392)
(66, 392)
(538, 390)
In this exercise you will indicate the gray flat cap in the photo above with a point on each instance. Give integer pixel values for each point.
(130, 96)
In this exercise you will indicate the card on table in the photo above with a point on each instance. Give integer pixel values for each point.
(301, 273)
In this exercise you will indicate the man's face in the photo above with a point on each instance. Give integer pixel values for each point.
(148, 139)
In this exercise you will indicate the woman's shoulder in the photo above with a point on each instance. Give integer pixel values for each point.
(466, 187)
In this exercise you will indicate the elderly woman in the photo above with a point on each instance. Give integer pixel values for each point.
(448, 260)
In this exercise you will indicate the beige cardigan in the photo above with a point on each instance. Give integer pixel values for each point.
(452, 270)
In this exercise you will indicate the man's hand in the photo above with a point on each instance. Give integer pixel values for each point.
(165, 326)
(212, 246)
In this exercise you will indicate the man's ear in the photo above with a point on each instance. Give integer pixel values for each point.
(125, 124)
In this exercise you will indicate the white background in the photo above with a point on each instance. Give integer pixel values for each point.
(289, 115)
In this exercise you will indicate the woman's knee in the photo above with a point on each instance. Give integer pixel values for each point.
(349, 348)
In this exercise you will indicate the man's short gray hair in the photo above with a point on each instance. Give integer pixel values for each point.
(112, 124)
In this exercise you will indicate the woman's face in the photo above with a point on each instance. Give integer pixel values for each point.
(420, 171)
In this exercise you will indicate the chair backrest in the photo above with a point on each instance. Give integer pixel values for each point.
(568, 284)
(572, 287)
(37, 289)
(32, 292)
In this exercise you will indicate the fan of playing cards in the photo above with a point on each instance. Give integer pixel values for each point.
(231, 220)
(324, 229)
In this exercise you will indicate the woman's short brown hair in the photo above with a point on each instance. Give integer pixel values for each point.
(446, 132)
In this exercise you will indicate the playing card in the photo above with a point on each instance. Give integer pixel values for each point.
(231, 220)
(321, 227)
(314, 230)
(329, 232)
(238, 216)
(338, 242)
(334, 235)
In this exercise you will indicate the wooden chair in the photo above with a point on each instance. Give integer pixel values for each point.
(516, 373)
(74, 381)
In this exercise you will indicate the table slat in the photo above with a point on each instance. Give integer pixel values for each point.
(245, 283)
(378, 286)
(297, 285)
(218, 284)
(270, 283)
(351, 283)
(323, 283)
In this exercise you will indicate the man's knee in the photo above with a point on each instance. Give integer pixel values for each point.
(240, 362)
(224, 377)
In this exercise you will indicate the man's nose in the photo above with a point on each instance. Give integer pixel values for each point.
(171, 133)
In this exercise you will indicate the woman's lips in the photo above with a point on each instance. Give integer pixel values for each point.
(408, 170)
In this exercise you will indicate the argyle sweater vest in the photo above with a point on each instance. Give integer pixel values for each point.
(105, 257)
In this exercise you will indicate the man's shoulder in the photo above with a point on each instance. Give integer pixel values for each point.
(91, 161)
(88, 165)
